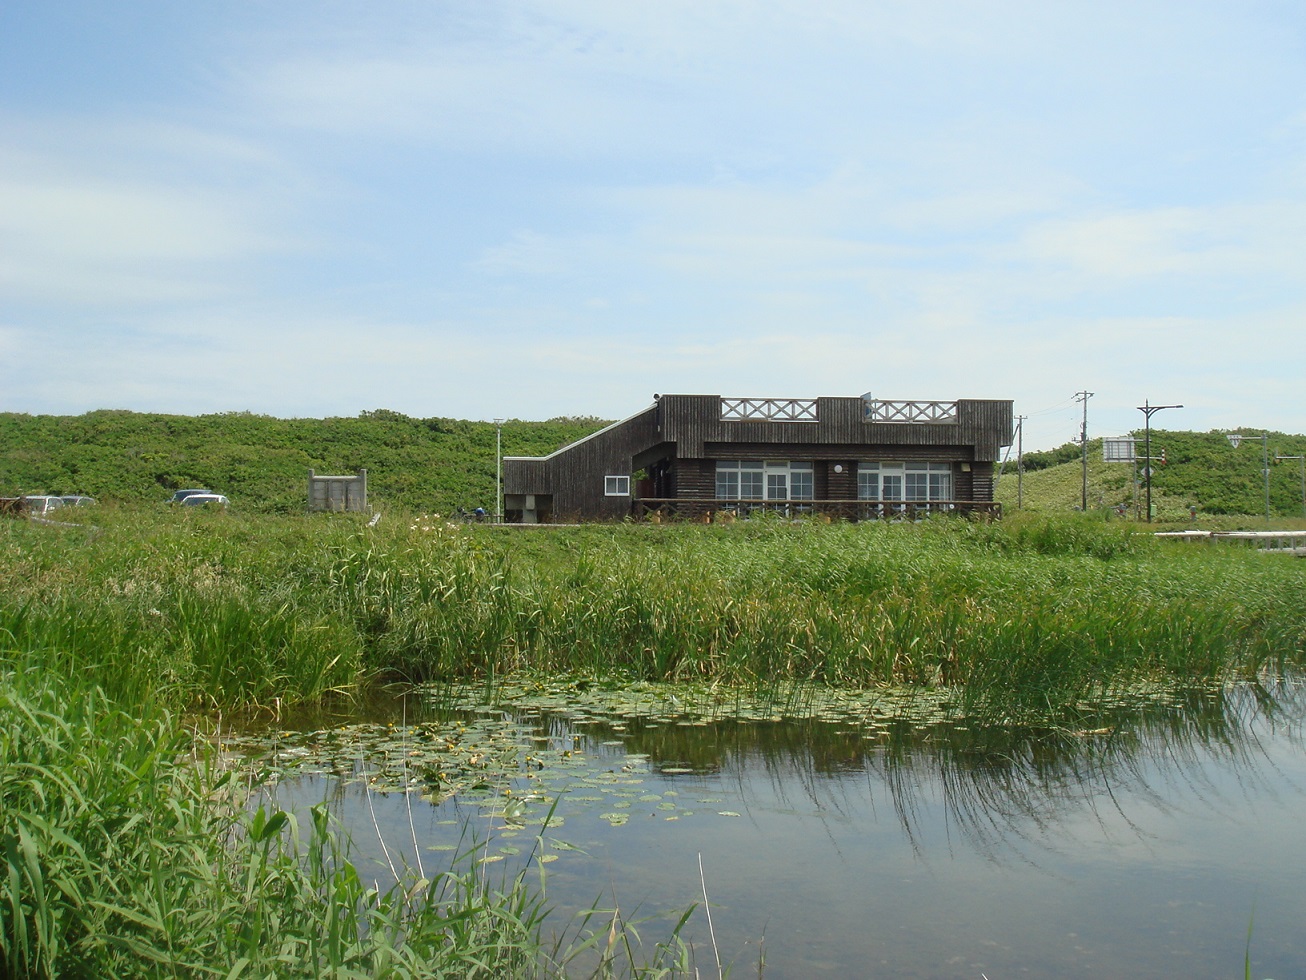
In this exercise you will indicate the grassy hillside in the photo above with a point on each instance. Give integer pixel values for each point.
(261, 462)
(1201, 469)
(437, 464)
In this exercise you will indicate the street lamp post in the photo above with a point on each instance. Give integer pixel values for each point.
(498, 470)
(1235, 439)
(1148, 410)
(1302, 460)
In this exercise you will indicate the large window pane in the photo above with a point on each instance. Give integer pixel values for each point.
(727, 484)
(940, 484)
(802, 485)
(868, 481)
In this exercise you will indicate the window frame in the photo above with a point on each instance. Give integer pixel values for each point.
(915, 481)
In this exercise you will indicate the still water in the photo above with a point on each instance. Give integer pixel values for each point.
(860, 842)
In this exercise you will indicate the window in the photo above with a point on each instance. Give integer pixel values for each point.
(891, 482)
(868, 481)
(940, 481)
(757, 480)
(918, 482)
(738, 480)
(616, 486)
(802, 485)
(777, 483)
(727, 481)
(904, 481)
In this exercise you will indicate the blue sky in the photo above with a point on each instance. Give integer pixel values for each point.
(482, 210)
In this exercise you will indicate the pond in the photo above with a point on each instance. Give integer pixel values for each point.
(839, 834)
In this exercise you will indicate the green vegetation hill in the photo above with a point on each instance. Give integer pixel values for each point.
(261, 462)
(1201, 470)
(438, 464)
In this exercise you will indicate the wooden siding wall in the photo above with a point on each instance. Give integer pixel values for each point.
(686, 434)
(525, 474)
(838, 454)
(574, 474)
(988, 426)
(697, 479)
(694, 423)
(839, 486)
(963, 483)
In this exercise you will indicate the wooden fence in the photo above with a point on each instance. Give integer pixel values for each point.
(712, 510)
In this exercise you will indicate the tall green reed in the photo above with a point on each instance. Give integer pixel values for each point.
(121, 854)
(1029, 612)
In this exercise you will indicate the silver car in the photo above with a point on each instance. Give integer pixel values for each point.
(205, 500)
(41, 505)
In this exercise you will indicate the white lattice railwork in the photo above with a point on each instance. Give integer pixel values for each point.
(910, 411)
(768, 409)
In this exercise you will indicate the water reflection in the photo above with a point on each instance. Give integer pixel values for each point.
(996, 783)
(1133, 842)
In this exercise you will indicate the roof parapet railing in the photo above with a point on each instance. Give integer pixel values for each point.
(768, 410)
(879, 410)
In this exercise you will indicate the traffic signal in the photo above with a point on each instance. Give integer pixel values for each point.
(1162, 457)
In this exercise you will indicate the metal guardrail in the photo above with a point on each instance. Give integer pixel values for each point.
(878, 410)
(1286, 542)
(714, 510)
(768, 410)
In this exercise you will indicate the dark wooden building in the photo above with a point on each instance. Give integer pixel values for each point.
(708, 457)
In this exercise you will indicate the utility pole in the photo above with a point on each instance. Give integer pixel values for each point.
(1148, 410)
(1235, 439)
(1084, 396)
(1020, 461)
(498, 470)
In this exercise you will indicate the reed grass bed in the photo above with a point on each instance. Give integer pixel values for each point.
(124, 855)
(199, 611)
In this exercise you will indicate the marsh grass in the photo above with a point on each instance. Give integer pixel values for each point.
(123, 855)
(1026, 615)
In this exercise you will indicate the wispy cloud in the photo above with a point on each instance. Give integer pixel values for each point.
(557, 208)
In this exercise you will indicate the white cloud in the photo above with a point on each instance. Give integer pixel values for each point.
(96, 213)
(557, 208)
(91, 242)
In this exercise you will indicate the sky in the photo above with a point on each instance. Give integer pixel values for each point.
(474, 209)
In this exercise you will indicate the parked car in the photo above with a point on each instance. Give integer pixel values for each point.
(181, 495)
(77, 500)
(205, 500)
(41, 505)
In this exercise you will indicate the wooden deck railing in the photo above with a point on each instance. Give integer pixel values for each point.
(878, 410)
(768, 409)
(709, 510)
